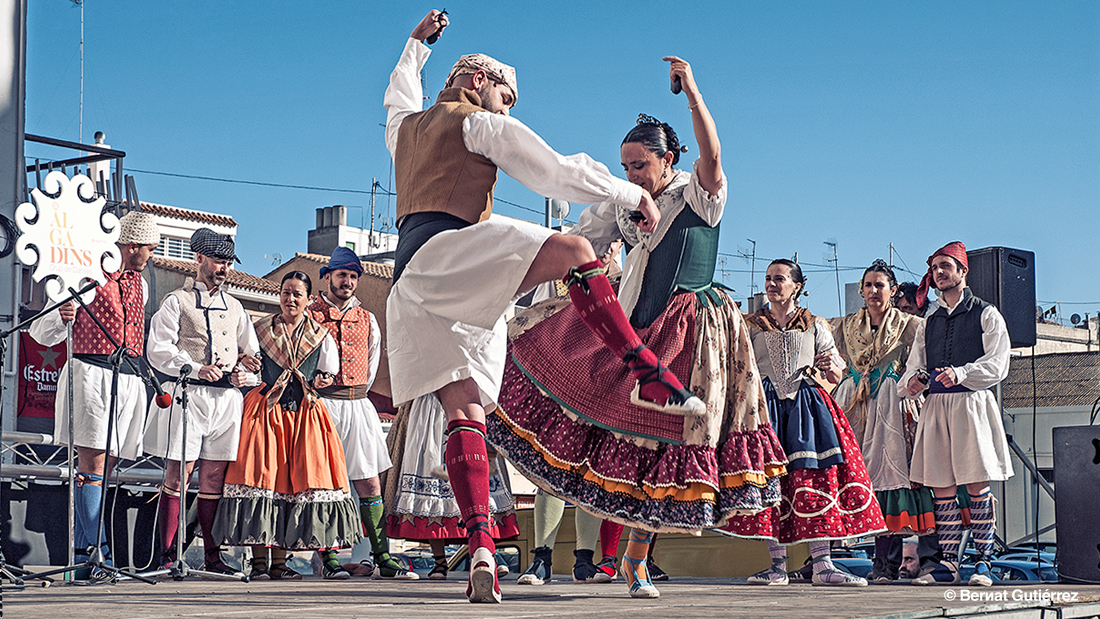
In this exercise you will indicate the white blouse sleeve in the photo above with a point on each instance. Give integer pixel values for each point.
(708, 207)
(823, 341)
(520, 153)
(597, 223)
(404, 95)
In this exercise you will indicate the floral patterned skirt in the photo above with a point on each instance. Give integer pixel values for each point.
(566, 422)
(289, 486)
(831, 503)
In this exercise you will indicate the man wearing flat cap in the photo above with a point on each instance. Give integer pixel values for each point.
(457, 270)
(960, 352)
(356, 332)
(120, 306)
(201, 329)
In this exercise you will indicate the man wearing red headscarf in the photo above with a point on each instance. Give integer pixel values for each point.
(959, 354)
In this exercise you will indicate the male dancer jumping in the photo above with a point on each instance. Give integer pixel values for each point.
(456, 270)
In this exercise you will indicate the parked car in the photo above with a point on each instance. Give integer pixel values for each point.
(1014, 571)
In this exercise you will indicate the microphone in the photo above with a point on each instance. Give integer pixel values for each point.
(163, 400)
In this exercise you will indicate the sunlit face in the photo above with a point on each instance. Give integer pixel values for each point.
(644, 168)
(135, 256)
(342, 284)
(212, 271)
(778, 284)
(947, 273)
(293, 298)
(877, 291)
(496, 97)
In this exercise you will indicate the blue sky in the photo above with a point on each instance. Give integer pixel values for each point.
(862, 123)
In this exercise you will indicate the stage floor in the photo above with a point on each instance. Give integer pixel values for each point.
(313, 598)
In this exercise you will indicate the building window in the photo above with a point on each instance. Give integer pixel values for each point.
(171, 247)
(350, 245)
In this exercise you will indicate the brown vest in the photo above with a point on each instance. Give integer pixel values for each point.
(352, 332)
(433, 168)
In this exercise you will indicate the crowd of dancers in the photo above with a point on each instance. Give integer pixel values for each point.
(649, 400)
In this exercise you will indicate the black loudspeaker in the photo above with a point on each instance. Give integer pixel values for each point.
(1006, 278)
(1077, 502)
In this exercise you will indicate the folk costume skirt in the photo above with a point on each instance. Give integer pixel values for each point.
(289, 486)
(566, 421)
(420, 504)
(831, 503)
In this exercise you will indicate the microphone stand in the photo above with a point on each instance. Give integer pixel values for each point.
(180, 569)
(96, 559)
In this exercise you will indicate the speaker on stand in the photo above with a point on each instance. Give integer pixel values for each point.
(1006, 278)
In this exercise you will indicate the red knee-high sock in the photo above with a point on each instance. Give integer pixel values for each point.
(468, 472)
(208, 508)
(168, 519)
(599, 309)
(610, 533)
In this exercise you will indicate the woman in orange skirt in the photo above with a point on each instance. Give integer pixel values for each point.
(288, 488)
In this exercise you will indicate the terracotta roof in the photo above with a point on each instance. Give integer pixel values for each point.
(188, 215)
(237, 279)
(375, 269)
(1061, 379)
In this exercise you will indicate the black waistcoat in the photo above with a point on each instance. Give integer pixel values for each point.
(953, 340)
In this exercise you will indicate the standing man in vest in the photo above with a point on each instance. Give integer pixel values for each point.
(204, 333)
(120, 305)
(357, 334)
(456, 270)
(959, 354)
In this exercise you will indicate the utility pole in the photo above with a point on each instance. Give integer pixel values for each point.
(836, 265)
(752, 268)
(373, 186)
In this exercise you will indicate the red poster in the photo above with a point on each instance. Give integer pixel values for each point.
(39, 367)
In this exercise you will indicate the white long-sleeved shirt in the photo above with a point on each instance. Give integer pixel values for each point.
(983, 373)
(514, 148)
(164, 331)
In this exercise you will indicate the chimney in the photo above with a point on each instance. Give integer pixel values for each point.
(320, 217)
(100, 171)
(340, 215)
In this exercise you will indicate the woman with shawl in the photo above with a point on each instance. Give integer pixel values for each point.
(288, 488)
(875, 341)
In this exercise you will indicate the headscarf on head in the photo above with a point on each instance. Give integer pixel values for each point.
(495, 69)
(138, 227)
(954, 249)
(342, 258)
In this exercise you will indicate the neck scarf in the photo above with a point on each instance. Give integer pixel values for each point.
(867, 347)
(289, 350)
